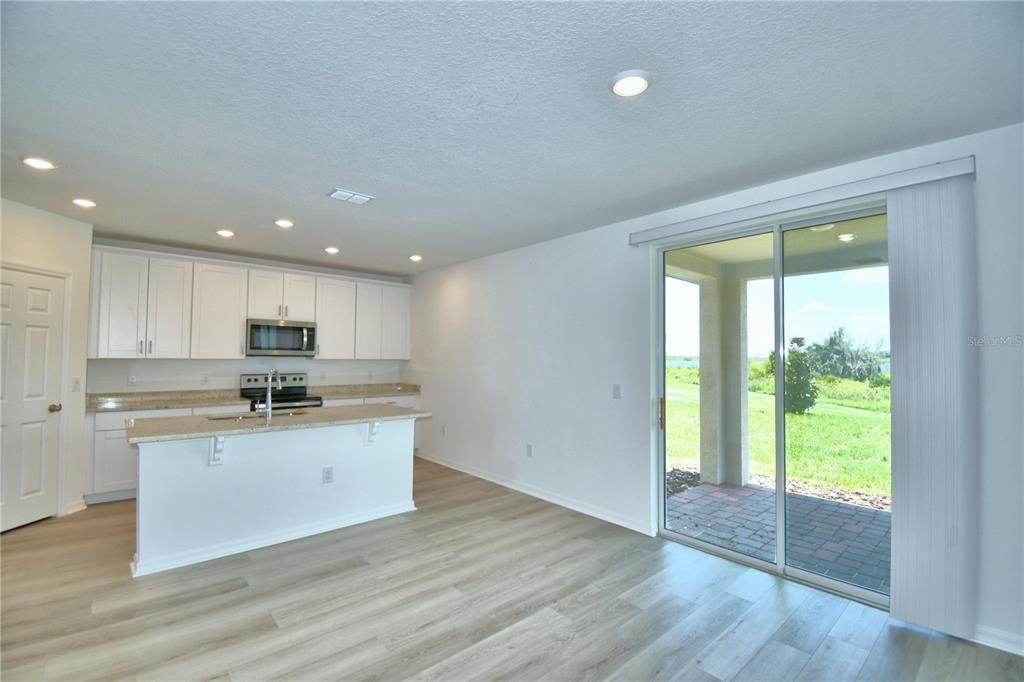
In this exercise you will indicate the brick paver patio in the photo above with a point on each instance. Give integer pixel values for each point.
(836, 539)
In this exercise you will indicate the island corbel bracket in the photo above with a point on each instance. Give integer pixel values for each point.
(216, 450)
(371, 432)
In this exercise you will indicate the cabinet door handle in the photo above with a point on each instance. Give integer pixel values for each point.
(149, 351)
(140, 346)
(286, 311)
(279, 310)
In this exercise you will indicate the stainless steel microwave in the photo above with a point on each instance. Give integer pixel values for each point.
(280, 337)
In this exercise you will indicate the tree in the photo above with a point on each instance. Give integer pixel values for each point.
(800, 392)
(839, 357)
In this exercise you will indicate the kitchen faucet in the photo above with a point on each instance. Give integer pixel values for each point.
(271, 374)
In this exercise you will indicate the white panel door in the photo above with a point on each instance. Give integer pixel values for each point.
(335, 318)
(122, 326)
(299, 297)
(368, 321)
(395, 312)
(169, 311)
(266, 294)
(218, 311)
(31, 340)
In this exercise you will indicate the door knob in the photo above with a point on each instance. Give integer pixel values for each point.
(55, 407)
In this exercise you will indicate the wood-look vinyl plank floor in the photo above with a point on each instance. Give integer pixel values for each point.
(480, 583)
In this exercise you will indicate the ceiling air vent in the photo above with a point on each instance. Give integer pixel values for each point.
(349, 196)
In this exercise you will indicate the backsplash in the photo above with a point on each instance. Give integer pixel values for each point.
(164, 375)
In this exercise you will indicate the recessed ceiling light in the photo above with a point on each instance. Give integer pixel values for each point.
(284, 224)
(227, 234)
(38, 164)
(846, 237)
(332, 250)
(822, 228)
(350, 196)
(630, 83)
(84, 203)
(415, 258)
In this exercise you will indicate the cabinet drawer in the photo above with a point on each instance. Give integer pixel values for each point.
(221, 409)
(337, 402)
(410, 401)
(111, 421)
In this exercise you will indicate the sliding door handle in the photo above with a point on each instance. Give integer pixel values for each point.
(661, 414)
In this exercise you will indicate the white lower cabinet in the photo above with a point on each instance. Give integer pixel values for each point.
(115, 464)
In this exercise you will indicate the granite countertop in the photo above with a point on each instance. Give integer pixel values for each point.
(158, 429)
(161, 400)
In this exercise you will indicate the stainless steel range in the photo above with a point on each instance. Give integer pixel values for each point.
(286, 390)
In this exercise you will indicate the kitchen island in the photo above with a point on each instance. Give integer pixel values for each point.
(214, 485)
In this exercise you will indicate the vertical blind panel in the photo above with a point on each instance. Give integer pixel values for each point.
(935, 497)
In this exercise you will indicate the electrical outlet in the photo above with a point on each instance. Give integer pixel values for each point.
(204, 379)
(616, 391)
(131, 379)
(328, 475)
(529, 449)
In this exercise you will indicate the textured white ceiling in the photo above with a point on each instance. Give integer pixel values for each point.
(479, 127)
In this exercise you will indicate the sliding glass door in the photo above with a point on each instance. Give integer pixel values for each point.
(719, 386)
(836, 400)
(776, 400)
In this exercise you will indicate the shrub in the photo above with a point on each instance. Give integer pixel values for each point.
(800, 393)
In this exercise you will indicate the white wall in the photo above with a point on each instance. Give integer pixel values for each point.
(170, 375)
(44, 240)
(524, 346)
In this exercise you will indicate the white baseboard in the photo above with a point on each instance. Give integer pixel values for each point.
(548, 496)
(1004, 640)
(70, 507)
(167, 562)
(113, 496)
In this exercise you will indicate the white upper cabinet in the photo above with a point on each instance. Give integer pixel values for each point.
(169, 310)
(335, 318)
(122, 305)
(368, 321)
(218, 311)
(395, 314)
(382, 321)
(148, 305)
(299, 297)
(266, 294)
(275, 295)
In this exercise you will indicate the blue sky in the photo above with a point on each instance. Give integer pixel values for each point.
(815, 305)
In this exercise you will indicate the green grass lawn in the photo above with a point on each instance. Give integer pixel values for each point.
(843, 440)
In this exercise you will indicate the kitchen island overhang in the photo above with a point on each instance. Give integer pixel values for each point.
(211, 487)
